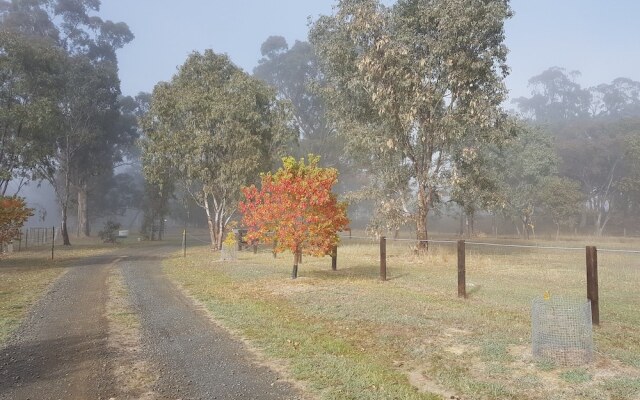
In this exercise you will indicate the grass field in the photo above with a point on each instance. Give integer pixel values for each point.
(346, 335)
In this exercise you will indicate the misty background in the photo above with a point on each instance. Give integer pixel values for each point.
(573, 72)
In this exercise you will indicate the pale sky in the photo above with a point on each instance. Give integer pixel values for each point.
(601, 39)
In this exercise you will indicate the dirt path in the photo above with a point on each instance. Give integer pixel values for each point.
(62, 349)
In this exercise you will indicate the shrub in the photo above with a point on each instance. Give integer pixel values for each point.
(109, 232)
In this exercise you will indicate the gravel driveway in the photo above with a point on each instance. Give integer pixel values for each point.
(61, 350)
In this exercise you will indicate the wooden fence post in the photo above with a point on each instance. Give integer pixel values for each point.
(53, 242)
(462, 285)
(383, 258)
(592, 283)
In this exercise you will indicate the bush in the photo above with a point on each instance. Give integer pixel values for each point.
(13, 214)
(109, 232)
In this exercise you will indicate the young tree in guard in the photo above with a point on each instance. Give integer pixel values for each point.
(296, 208)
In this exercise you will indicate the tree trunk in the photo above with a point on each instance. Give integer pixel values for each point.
(557, 231)
(64, 231)
(421, 220)
(153, 226)
(220, 228)
(525, 228)
(296, 258)
(211, 223)
(83, 223)
(601, 221)
(494, 226)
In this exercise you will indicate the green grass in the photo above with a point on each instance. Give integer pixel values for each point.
(579, 375)
(348, 335)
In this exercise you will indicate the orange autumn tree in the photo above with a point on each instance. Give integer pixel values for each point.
(13, 214)
(296, 208)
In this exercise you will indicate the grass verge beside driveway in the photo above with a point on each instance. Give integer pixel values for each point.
(347, 335)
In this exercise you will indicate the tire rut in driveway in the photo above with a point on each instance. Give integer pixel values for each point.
(194, 358)
(60, 351)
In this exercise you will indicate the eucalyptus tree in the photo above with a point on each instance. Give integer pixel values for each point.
(475, 182)
(522, 165)
(72, 24)
(556, 96)
(217, 127)
(590, 129)
(87, 102)
(630, 184)
(415, 76)
(562, 199)
(112, 144)
(620, 98)
(88, 106)
(30, 84)
(94, 119)
(295, 74)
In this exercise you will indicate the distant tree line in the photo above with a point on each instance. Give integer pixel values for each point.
(405, 101)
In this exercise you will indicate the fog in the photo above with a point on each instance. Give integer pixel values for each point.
(568, 166)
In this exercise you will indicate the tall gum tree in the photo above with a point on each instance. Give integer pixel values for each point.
(425, 71)
(30, 87)
(217, 127)
(88, 92)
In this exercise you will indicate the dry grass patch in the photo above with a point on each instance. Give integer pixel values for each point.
(350, 336)
(133, 372)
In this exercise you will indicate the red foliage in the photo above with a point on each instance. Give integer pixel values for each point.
(13, 214)
(296, 208)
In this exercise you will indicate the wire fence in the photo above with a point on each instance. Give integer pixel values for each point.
(505, 274)
(32, 237)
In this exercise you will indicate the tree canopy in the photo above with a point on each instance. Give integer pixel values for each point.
(295, 208)
(216, 127)
(62, 99)
(413, 78)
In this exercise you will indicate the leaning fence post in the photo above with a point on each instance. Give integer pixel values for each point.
(462, 285)
(383, 258)
(592, 283)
